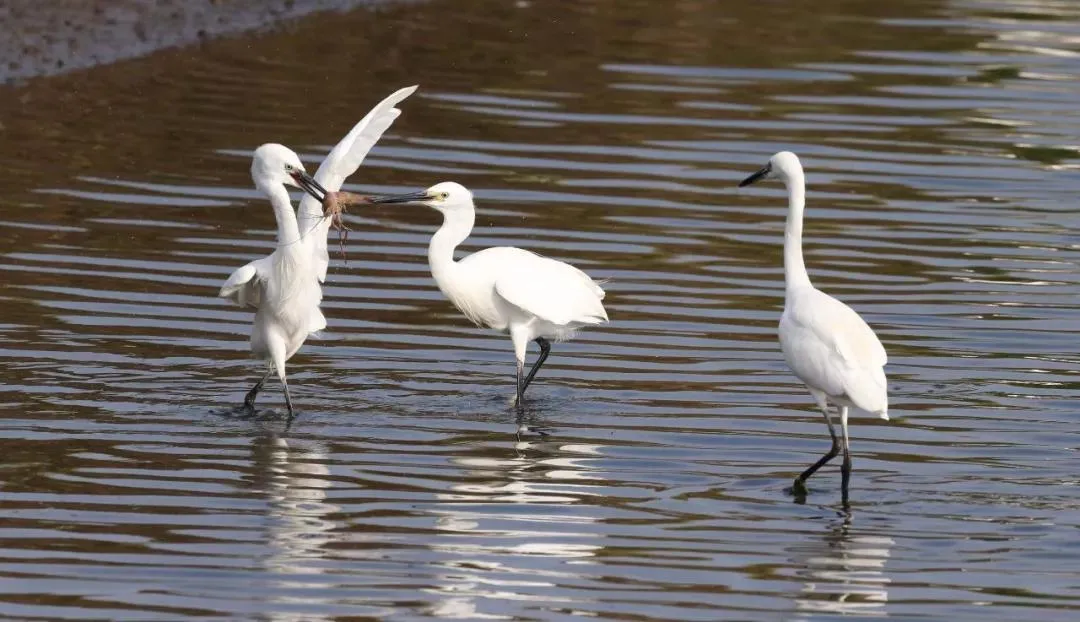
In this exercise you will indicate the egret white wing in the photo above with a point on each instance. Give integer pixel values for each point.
(343, 160)
(551, 290)
(830, 347)
(246, 285)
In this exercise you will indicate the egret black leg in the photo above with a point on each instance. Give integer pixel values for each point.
(288, 400)
(800, 481)
(545, 349)
(249, 399)
(520, 385)
(523, 383)
(845, 466)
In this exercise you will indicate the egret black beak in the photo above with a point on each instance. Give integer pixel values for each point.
(412, 197)
(309, 185)
(758, 176)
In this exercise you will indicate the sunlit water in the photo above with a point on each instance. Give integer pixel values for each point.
(940, 146)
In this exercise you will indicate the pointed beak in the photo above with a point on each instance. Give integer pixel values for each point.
(412, 197)
(758, 176)
(310, 186)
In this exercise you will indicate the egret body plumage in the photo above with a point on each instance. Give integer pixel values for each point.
(533, 298)
(282, 287)
(825, 343)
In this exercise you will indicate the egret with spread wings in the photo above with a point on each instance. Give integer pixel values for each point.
(282, 287)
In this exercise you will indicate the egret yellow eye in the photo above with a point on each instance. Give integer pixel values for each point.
(444, 196)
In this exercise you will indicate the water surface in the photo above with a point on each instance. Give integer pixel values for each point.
(939, 142)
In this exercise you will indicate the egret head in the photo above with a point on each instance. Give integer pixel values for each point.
(446, 197)
(277, 164)
(783, 166)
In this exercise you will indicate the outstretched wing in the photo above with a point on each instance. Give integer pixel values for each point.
(246, 286)
(551, 290)
(342, 162)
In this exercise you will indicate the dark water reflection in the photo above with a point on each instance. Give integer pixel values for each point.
(940, 144)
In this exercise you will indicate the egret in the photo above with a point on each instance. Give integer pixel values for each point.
(824, 341)
(282, 287)
(533, 298)
(340, 163)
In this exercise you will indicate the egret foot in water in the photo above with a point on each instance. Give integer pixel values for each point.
(522, 428)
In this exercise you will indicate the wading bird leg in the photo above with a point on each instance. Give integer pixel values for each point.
(249, 399)
(845, 466)
(288, 400)
(520, 385)
(545, 349)
(799, 486)
(523, 382)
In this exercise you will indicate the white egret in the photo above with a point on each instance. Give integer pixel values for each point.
(283, 287)
(532, 298)
(340, 163)
(828, 346)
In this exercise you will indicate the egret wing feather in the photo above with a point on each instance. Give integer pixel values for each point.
(832, 349)
(342, 161)
(551, 290)
(246, 286)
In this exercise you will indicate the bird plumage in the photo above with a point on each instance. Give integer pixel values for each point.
(830, 348)
(500, 283)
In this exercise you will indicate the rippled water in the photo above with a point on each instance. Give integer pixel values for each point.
(940, 145)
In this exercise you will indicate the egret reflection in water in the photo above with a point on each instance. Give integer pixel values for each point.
(843, 572)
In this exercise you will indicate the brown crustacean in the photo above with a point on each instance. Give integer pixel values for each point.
(334, 205)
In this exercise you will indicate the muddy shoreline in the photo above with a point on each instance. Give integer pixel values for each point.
(75, 34)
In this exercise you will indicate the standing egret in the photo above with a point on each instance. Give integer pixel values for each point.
(342, 161)
(828, 346)
(282, 287)
(533, 298)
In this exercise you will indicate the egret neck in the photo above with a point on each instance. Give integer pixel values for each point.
(795, 275)
(456, 227)
(287, 230)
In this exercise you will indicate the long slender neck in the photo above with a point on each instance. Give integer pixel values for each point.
(457, 225)
(795, 275)
(288, 232)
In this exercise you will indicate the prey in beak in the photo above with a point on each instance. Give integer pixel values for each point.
(334, 205)
(756, 177)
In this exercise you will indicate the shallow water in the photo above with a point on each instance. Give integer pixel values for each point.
(939, 141)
